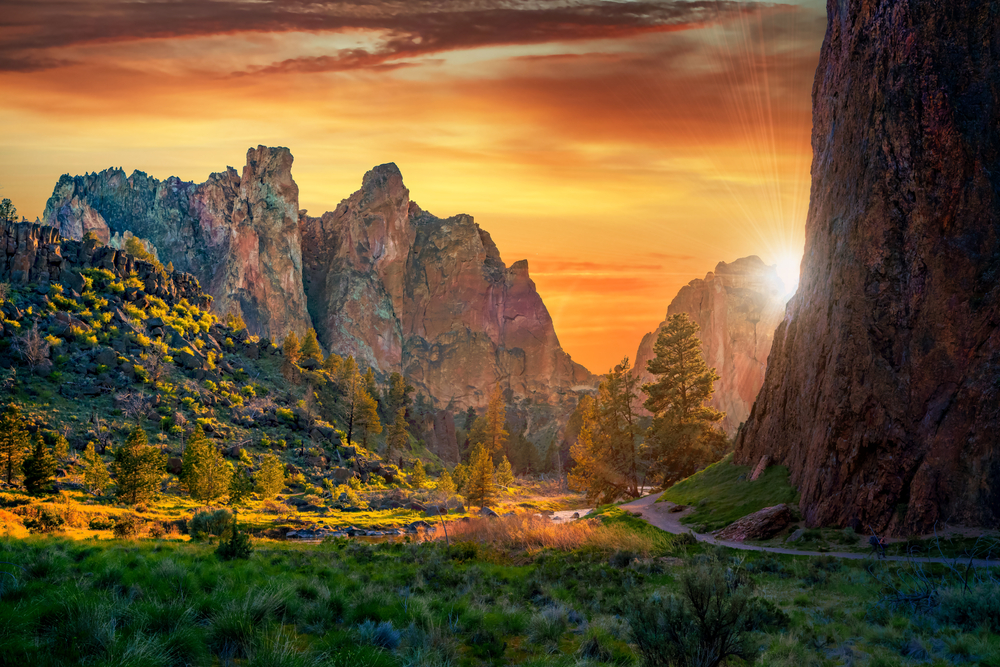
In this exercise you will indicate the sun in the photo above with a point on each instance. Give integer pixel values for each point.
(788, 271)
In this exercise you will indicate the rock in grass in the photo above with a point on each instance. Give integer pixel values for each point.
(760, 525)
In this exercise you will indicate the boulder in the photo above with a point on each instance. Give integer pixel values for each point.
(107, 357)
(760, 525)
(174, 465)
(486, 511)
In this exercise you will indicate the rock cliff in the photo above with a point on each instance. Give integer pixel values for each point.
(738, 307)
(381, 279)
(881, 393)
(404, 290)
(238, 234)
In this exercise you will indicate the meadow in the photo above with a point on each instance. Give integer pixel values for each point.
(511, 592)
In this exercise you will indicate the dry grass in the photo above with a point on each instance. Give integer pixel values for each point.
(527, 532)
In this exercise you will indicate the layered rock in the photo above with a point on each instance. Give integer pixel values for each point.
(738, 307)
(401, 289)
(238, 234)
(881, 393)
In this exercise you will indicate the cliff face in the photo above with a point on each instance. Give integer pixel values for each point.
(382, 280)
(238, 235)
(405, 290)
(738, 307)
(881, 393)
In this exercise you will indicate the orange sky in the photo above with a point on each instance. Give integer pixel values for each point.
(623, 148)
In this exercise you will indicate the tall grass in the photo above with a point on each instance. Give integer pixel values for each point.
(526, 532)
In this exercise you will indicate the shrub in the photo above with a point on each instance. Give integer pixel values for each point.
(127, 526)
(237, 546)
(486, 645)
(548, 625)
(207, 522)
(972, 608)
(101, 523)
(382, 635)
(706, 626)
(44, 520)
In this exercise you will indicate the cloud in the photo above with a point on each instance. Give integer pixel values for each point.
(33, 28)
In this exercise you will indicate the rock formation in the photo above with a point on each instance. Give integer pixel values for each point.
(381, 280)
(404, 290)
(738, 307)
(238, 235)
(881, 393)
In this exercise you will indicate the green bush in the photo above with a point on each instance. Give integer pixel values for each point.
(127, 526)
(237, 546)
(101, 523)
(970, 609)
(44, 520)
(207, 522)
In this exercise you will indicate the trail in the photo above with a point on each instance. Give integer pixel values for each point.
(658, 514)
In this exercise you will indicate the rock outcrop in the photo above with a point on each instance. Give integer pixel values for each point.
(401, 289)
(881, 393)
(238, 234)
(738, 307)
(761, 525)
(382, 280)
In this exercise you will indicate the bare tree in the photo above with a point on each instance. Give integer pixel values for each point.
(4, 292)
(133, 404)
(100, 432)
(156, 362)
(32, 347)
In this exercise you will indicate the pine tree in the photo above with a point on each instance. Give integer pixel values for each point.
(398, 436)
(396, 394)
(271, 476)
(96, 478)
(446, 485)
(310, 347)
(419, 476)
(362, 409)
(60, 447)
(460, 475)
(138, 468)
(606, 452)
(496, 419)
(480, 488)
(8, 212)
(204, 472)
(332, 364)
(290, 348)
(683, 437)
(505, 475)
(39, 468)
(13, 443)
(241, 484)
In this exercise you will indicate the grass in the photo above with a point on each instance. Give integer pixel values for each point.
(530, 534)
(721, 494)
(156, 602)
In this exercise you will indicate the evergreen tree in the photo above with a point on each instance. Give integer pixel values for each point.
(310, 347)
(606, 452)
(13, 443)
(8, 212)
(138, 468)
(398, 437)
(683, 436)
(361, 408)
(332, 364)
(396, 394)
(204, 472)
(419, 476)
(290, 348)
(39, 468)
(241, 485)
(460, 475)
(271, 476)
(496, 419)
(505, 474)
(445, 484)
(96, 478)
(480, 488)
(470, 418)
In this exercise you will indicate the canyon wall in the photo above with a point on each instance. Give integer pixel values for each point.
(238, 234)
(738, 307)
(881, 393)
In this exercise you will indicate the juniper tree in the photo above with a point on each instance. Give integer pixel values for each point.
(271, 476)
(480, 487)
(398, 436)
(138, 468)
(419, 476)
(310, 347)
(204, 472)
(290, 348)
(96, 478)
(39, 468)
(13, 443)
(445, 484)
(505, 474)
(606, 451)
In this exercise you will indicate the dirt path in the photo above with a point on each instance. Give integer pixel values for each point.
(659, 515)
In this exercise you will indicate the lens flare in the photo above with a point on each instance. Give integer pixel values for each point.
(788, 271)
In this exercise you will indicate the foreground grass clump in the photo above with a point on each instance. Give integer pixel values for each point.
(721, 493)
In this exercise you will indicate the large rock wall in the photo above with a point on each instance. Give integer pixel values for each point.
(238, 234)
(401, 289)
(738, 307)
(882, 392)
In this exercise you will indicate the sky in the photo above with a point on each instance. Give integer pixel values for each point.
(623, 148)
